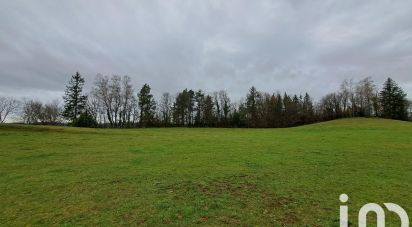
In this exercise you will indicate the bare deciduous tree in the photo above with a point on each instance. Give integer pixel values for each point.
(127, 102)
(8, 106)
(113, 96)
(225, 106)
(51, 113)
(32, 112)
(365, 95)
(165, 108)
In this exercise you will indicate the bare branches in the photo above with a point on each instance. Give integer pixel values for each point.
(8, 105)
(113, 99)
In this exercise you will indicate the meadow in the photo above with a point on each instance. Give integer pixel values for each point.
(203, 176)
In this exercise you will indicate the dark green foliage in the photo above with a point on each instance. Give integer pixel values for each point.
(307, 109)
(85, 120)
(147, 106)
(252, 108)
(200, 104)
(183, 108)
(208, 110)
(74, 100)
(393, 101)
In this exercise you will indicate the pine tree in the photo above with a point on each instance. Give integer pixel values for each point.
(393, 101)
(147, 106)
(279, 111)
(251, 106)
(74, 100)
(308, 111)
(200, 102)
(208, 110)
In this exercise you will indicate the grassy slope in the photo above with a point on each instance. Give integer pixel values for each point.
(52, 175)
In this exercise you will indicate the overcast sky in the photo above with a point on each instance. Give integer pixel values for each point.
(293, 46)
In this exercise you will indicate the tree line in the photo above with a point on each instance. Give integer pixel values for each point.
(113, 102)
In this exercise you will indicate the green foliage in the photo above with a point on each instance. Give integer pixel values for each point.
(85, 120)
(184, 107)
(208, 110)
(393, 101)
(202, 176)
(147, 106)
(251, 105)
(74, 100)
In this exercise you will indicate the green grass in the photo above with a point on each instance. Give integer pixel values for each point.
(181, 176)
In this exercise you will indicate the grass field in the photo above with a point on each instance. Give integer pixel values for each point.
(181, 176)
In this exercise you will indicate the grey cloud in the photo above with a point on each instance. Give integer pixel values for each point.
(294, 46)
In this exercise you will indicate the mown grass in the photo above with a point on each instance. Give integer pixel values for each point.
(180, 176)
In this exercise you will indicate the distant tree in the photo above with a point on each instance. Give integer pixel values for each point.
(32, 112)
(346, 92)
(165, 108)
(365, 96)
(51, 113)
(190, 107)
(265, 110)
(217, 105)
(294, 111)
(288, 110)
(115, 88)
(208, 111)
(307, 109)
(102, 100)
(8, 105)
(74, 100)
(352, 105)
(128, 101)
(147, 106)
(251, 106)
(278, 111)
(393, 101)
(239, 116)
(199, 108)
(95, 107)
(113, 101)
(85, 120)
(180, 108)
(329, 106)
(225, 106)
(184, 108)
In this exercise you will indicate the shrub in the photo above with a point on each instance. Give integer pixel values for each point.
(85, 120)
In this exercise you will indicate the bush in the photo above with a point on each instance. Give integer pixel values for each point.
(85, 120)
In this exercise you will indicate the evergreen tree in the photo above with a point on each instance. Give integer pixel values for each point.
(251, 106)
(307, 109)
(279, 110)
(179, 108)
(208, 110)
(74, 100)
(147, 106)
(184, 107)
(200, 103)
(393, 101)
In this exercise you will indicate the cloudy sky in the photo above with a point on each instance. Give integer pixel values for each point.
(294, 46)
